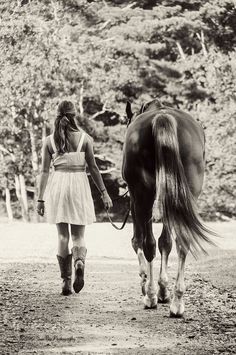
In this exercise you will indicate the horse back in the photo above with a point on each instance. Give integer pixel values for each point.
(139, 151)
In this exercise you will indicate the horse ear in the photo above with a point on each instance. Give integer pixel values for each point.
(128, 110)
(142, 109)
(158, 103)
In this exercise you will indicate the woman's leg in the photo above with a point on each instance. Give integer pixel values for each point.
(64, 258)
(79, 252)
(63, 239)
(77, 235)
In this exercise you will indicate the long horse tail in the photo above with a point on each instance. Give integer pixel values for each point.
(173, 195)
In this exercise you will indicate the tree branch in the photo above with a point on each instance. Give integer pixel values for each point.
(104, 109)
(128, 6)
(228, 191)
(104, 25)
(4, 150)
(108, 39)
(202, 40)
(54, 6)
(181, 52)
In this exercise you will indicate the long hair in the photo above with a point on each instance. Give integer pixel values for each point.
(64, 122)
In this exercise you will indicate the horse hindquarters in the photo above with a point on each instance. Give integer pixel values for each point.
(172, 188)
(177, 203)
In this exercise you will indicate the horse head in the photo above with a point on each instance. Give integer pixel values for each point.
(151, 105)
(148, 106)
(129, 113)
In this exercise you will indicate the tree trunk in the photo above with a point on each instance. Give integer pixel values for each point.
(81, 97)
(20, 199)
(34, 155)
(44, 132)
(24, 196)
(7, 191)
(35, 165)
(8, 204)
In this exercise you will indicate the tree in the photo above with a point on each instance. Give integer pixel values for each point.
(101, 53)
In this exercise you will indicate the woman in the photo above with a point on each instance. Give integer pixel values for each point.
(68, 197)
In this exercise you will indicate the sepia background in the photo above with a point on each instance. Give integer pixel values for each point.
(99, 54)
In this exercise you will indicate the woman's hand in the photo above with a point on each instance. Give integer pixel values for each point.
(40, 208)
(106, 200)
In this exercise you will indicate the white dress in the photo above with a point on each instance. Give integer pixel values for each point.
(68, 194)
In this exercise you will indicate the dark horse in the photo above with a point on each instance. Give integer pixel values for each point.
(163, 162)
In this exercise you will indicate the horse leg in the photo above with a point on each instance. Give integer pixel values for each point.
(164, 245)
(142, 270)
(137, 244)
(177, 304)
(150, 299)
(195, 178)
(138, 248)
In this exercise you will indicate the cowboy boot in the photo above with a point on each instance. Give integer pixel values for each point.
(66, 272)
(79, 254)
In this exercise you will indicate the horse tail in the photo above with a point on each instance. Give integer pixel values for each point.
(173, 195)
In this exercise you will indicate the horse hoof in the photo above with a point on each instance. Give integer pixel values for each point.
(152, 307)
(66, 292)
(176, 315)
(150, 303)
(176, 309)
(163, 300)
(163, 295)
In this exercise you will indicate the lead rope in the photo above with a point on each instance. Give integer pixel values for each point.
(126, 216)
(124, 222)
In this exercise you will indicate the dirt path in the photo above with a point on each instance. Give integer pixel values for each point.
(108, 316)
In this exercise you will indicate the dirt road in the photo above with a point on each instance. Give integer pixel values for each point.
(108, 316)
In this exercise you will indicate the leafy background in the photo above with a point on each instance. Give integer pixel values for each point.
(101, 54)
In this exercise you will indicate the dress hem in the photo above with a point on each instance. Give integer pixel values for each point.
(76, 223)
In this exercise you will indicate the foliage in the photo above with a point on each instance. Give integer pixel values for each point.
(101, 53)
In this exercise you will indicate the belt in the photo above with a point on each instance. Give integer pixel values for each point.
(70, 169)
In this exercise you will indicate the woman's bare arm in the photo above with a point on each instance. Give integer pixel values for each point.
(95, 173)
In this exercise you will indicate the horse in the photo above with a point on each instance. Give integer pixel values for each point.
(163, 166)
